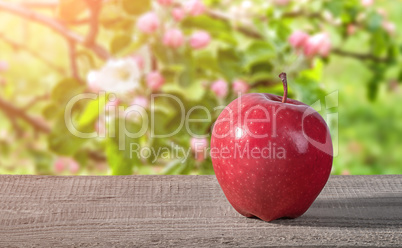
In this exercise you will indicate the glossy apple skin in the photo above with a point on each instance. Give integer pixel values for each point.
(280, 186)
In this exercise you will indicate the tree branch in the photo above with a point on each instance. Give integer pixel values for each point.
(34, 101)
(72, 52)
(79, 22)
(266, 83)
(14, 112)
(55, 26)
(41, 5)
(18, 46)
(303, 14)
(360, 56)
(251, 32)
(95, 7)
(246, 30)
(96, 156)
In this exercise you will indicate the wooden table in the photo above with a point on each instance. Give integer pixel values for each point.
(189, 211)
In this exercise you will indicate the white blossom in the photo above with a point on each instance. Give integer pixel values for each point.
(117, 76)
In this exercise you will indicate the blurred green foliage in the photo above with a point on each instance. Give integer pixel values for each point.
(364, 67)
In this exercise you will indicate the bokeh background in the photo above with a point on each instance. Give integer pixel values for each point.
(342, 53)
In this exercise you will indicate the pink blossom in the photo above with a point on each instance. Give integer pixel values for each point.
(178, 14)
(173, 38)
(155, 80)
(351, 29)
(100, 127)
(92, 83)
(59, 165)
(140, 101)
(165, 2)
(318, 44)
(112, 105)
(367, 3)
(282, 2)
(74, 167)
(66, 163)
(194, 7)
(382, 12)
(3, 82)
(240, 86)
(3, 66)
(389, 27)
(200, 40)
(199, 146)
(298, 39)
(204, 84)
(148, 23)
(220, 88)
(345, 172)
(139, 60)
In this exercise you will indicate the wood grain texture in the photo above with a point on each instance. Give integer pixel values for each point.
(189, 211)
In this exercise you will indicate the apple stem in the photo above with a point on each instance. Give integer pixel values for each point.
(282, 76)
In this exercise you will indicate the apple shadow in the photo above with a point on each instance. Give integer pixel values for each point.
(383, 211)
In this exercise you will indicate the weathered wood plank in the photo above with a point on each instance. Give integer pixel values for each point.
(183, 211)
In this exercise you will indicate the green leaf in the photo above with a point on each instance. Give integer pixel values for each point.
(373, 84)
(111, 17)
(42, 161)
(91, 111)
(117, 161)
(379, 42)
(62, 141)
(214, 26)
(167, 114)
(259, 52)
(65, 90)
(160, 52)
(206, 167)
(205, 60)
(136, 7)
(199, 123)
(230, 63)
(51, 111)
(82, 157)
(307, 84)
(400, 76)
(372, 89)
(374, 21)
(122, 151)
(283, 30)
(5, 148)
(177, 167)
(86, 58)
(260, 76)
(335, 7)
(186, 78)
(119, 43)
(194, 92)
(174, 167)
(260, 69)
(172, 72)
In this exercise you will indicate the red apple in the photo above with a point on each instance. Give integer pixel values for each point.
(272, 155)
